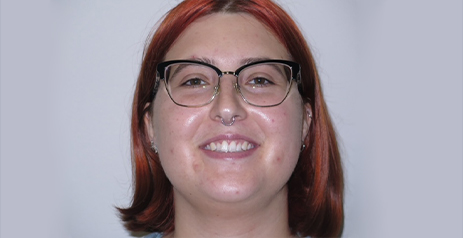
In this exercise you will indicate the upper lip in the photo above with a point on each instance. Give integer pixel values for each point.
(228, 137)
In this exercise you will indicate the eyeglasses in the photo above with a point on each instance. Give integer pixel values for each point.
(194, 83)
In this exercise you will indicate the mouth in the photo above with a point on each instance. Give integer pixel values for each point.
(230, 146)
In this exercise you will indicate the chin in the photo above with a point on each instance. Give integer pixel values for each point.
(240, 190)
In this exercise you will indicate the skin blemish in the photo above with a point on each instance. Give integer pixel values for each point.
(196, 167)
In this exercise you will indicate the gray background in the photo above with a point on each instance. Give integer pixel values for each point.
(392, 76)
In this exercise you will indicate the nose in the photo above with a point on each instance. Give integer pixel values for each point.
(228, 106)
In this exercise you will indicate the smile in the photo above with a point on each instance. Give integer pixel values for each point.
(229, 147)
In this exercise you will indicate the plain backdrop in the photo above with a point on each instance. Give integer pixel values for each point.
(392, 77)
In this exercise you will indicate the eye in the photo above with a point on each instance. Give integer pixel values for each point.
(260, 81)
(194, 82)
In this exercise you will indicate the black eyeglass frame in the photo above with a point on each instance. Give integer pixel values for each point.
(161, 67)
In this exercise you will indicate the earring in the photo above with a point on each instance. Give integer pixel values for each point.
(302, 147)
(310, 115)
(153, 147)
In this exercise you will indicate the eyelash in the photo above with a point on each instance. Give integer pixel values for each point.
(266, 82)
(189, 83)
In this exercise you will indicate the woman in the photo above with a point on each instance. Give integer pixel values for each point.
(230, 133)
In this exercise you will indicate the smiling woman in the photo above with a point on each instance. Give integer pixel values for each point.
(230, 133)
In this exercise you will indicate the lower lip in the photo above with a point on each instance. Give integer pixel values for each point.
(229, 155)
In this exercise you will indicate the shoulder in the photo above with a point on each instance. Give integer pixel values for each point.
(153, 235)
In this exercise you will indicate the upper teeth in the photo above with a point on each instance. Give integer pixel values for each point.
(233, 146)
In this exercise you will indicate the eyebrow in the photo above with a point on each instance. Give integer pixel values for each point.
(202, 59)
(252, 60)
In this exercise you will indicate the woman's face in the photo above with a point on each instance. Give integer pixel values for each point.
(182, 135)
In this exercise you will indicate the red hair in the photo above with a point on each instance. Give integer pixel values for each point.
(315, 189)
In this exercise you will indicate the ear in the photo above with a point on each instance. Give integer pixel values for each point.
(148, 123)
(307, 120)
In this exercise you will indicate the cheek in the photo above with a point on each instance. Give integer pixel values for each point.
(273, 120)
(172, 123)
(174, 130)
(165, 126)
(286, 123)
(284, 130)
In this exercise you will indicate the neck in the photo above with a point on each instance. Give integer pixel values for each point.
(248, 219)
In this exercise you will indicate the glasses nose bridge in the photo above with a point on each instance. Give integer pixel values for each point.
(232, 73)
(229, 73)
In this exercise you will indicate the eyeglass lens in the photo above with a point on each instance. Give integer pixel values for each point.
(263, 84)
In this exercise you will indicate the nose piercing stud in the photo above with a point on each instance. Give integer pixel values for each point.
(230, 123)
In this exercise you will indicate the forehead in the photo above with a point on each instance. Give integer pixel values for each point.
(227, 38)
